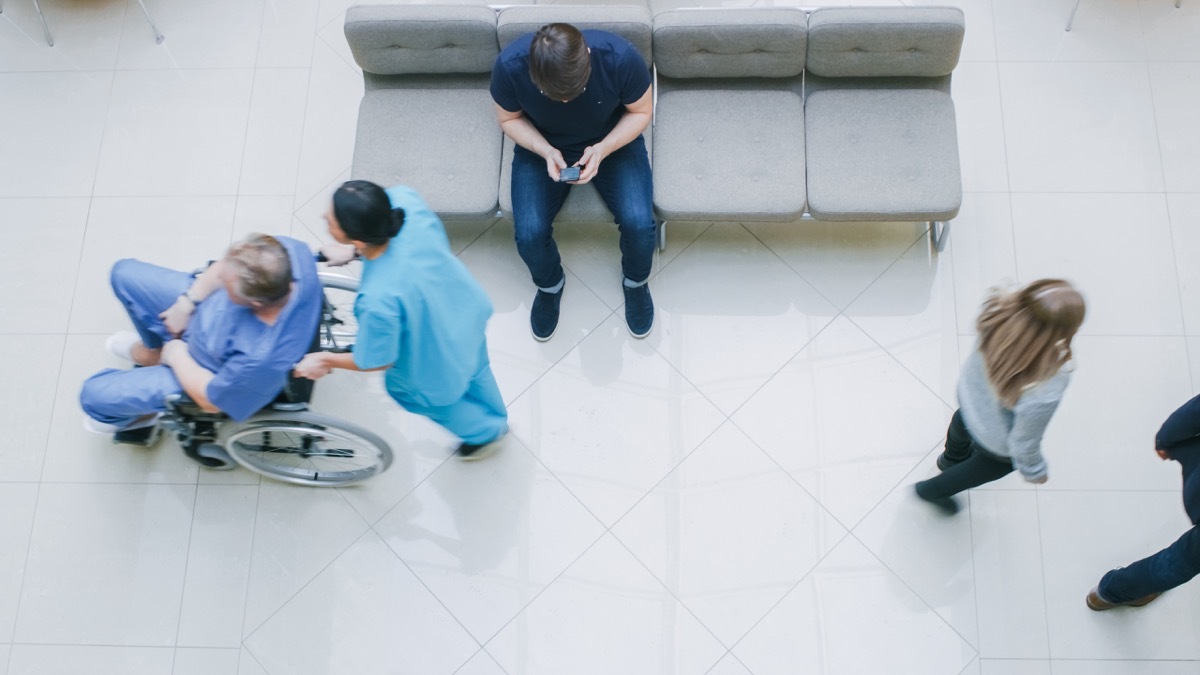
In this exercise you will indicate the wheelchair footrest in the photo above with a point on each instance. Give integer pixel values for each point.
(145, 437)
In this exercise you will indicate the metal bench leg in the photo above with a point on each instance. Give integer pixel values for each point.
(38, 6)
(158, 37)
(1178, 3)
(938, 231)
(1071, 19)
(662, 235)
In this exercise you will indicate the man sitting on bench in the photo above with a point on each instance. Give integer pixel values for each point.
(228, 337)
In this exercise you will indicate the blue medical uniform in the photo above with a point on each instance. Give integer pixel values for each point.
(250, 360)
(420, 312)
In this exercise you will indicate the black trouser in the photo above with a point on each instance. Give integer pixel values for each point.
(975, 466)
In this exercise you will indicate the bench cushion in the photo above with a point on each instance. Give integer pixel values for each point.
(729, 155)
(716, 43)
(408, 39)
(882, 155)
(884, 41)
(444, 143)
(583, 204)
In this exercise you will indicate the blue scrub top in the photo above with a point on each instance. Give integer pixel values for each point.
(420, 311)
(619, 77)
(251, 359)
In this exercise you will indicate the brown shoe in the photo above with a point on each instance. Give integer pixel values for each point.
(1099, 604)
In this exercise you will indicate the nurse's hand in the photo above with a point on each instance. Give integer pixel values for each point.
(312, 366)
(176, 317)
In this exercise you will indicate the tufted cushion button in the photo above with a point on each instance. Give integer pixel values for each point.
(754, 178)
(450, 177)
(699, 177)
(699, 139)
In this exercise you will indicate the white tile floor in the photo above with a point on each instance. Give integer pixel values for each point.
(729, 496)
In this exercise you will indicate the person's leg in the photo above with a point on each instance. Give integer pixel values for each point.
(959, 444)
(979, 468)
(627, 187)
(1173, 566)
(120, 397)
(536, 200)
(479, 417)
(146, 291)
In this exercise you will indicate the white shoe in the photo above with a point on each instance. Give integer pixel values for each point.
(121, 344)
(97, 427)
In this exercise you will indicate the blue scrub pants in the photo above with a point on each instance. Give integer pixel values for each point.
(478, 417)
(121, 396)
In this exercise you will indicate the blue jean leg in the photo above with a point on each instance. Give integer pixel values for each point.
(146, 291)
(1173, 566)
(479, 416)
(536, 200)
(626, 185)
(121, 396)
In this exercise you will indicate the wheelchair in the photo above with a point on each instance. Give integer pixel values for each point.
(285, 440)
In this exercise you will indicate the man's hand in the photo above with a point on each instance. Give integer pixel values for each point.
(173, 351)
(1038, 481)
(176, 317)
(554, 163)
(590, 162)
(1163, 454)
(313, 366)
(337, 254)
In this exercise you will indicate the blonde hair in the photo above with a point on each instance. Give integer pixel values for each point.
(261, 268)
(1025, 335)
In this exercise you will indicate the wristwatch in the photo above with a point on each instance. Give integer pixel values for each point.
(187, 294)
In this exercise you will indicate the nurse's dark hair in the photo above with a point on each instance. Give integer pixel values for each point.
(365, 213)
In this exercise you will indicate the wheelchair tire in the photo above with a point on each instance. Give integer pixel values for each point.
(339, 327)
(306, 448)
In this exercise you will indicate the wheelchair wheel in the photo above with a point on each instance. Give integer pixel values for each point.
(305, 448)
(338, 325)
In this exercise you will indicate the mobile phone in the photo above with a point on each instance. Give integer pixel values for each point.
(568, 174)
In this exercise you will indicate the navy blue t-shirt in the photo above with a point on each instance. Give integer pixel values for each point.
(619, 77)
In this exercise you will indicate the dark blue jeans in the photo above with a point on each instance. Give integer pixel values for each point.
(1174, 565)
(624, 183)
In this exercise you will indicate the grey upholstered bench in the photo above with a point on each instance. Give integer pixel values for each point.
(762, 114)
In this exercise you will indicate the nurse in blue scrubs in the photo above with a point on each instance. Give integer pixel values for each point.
(421, 316)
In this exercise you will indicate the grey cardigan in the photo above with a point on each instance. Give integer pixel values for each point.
(1014, 432)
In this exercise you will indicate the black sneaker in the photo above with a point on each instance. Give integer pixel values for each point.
(639, 310)
(470, 452)
(543, 317)
(948, 506)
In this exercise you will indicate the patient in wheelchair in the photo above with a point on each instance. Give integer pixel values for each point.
(227, 337)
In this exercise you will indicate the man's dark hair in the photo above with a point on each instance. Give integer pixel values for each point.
(559, 62)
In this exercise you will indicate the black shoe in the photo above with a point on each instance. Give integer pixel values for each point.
(944, 462)
(470, 452)
(639, 310)
(543, 317)
(948, 506)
